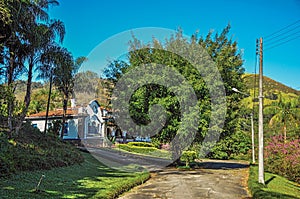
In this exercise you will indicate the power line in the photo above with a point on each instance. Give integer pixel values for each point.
(282, 34)
(282, 43)
(281, 39)
(286, 27)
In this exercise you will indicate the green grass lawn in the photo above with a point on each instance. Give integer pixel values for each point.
(275, 186)
(91, 179)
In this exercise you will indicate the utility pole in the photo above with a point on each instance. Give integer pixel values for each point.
(261, 177)
(252, 125)
(252, 138)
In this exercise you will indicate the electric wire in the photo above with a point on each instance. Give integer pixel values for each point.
(282, 36)
(270, 42)
(279, 44)
(286, 27)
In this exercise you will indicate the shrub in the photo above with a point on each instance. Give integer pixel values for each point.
(141, 144)
(155, 142)
(136, 149)
(231, 147)
(188, 157)
(283, 158)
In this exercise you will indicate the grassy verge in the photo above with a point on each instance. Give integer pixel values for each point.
(149, 151)
(91, 179)
(276, 186)
(32, 150)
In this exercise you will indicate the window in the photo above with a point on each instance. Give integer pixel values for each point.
(66, 130)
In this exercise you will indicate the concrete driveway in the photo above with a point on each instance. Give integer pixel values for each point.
(215, 179)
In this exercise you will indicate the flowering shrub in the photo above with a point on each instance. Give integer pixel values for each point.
(283, 158)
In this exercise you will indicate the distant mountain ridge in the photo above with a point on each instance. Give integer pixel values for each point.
(269, 85)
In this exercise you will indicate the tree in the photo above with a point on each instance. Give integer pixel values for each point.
(283, 112)
(224, 53)
(63, 78)
(27, 33)
(51, 59)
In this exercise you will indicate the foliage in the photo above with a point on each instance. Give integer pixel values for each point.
(276, 186)
(136, 149)
(284, 112)
(26, 38)
(232, 146)
(140, 144)
(188, 157)
(32, 150)
(223, 51)
(150, 151)
(55, 127)
(270, 86)
(156, 143)
(39, 100)
(283, 158)
(90, 179)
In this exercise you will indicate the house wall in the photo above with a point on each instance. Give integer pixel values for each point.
(89, 123)
(72, 127)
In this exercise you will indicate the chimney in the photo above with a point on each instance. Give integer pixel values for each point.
(73, 103)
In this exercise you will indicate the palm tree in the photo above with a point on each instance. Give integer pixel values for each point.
(25, 35)
(53, 58)
(282, 112)
(63, 78)
(41, 36)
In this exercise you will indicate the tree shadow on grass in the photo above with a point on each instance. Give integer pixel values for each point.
(271, 195)
(270, 180)
(88, 180)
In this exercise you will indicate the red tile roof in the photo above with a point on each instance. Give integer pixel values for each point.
(58, 112)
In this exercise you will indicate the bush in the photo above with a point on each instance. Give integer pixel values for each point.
(156, 143)
(188, 157)
(136, 149)
(283, 158)
(141, 144)
(236, 145)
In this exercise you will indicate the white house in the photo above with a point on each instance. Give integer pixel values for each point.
(81, 122)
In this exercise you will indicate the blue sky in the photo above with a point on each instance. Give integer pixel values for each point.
(90, 22)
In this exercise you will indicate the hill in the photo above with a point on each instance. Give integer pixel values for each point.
(269, 86)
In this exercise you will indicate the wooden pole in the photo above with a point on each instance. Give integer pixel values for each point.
(261, 178)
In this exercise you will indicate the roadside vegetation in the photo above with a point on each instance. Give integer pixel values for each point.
(144, 148)
(34, 150)
(90, 179)
(275, 186)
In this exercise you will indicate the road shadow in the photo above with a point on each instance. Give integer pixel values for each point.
(224, 165)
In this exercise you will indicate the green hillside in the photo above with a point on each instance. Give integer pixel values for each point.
(275, 93)
(269, 85)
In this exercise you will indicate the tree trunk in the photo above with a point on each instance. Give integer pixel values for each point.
(27, 98)
(48, 104)
(10, 102)
(64, 118)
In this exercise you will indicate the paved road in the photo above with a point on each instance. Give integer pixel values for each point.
(121, 160)
(214, 180)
